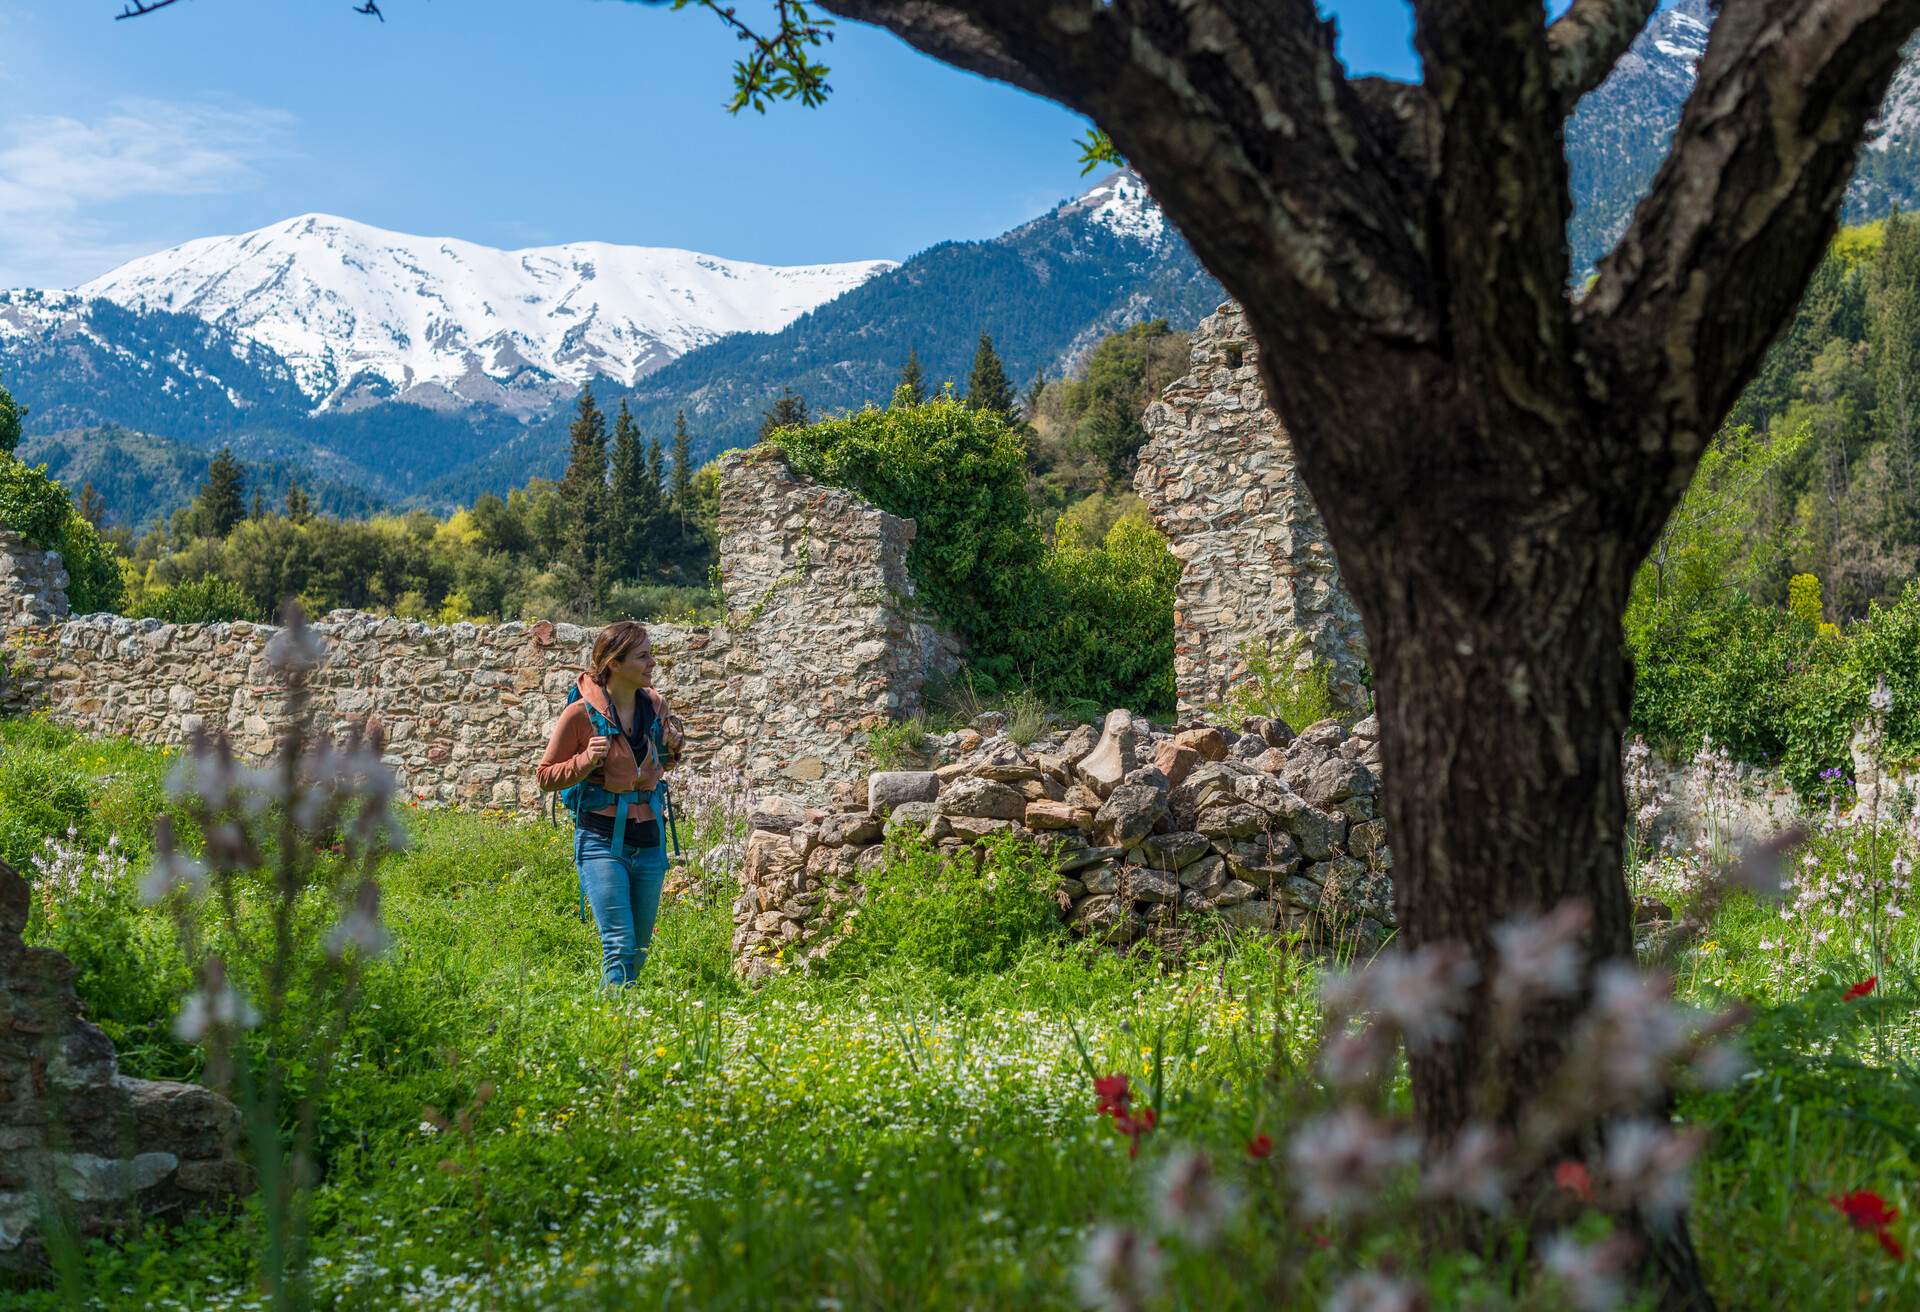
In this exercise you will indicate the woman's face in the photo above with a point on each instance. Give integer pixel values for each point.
(636, 667)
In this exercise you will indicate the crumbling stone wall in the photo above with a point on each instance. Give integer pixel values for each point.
(33, 583)
(1155, 834)
(1219, 477)
(76, 1133)
(822, 640)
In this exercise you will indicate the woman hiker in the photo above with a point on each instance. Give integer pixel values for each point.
(609, 749)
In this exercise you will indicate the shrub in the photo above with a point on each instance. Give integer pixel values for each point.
(1075, 621)
(37, 508)
(206, 599)
(960, 475)
(962, 915)
(1774, 688)
(1277, 687)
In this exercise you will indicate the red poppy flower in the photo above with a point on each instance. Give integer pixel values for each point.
(1259, 1146)
(1860, 990)
(1865, 1209)
(1112, 1091)
(1575, 1179)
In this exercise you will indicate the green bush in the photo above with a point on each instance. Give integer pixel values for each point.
(37, 508)
(1277, 688)
(1073, 622)
(959, 914)
(206, 599)
(960, 475)
(1775, 688)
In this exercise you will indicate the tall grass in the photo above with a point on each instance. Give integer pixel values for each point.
(912, 1127)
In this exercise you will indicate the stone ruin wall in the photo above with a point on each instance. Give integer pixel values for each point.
(1154, 835)
(74, 1130)
(1219, 477)
(822, 640)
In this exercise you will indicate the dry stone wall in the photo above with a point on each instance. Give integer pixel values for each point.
(1219, 477)
(74, 1132)
(1155, 834)
(33, 583)
(822, 640)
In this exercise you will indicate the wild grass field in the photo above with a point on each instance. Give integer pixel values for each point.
(916, 1126)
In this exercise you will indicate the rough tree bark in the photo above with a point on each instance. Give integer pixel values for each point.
(1493, 456)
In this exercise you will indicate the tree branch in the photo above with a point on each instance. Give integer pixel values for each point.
(136, 8)
(1588, 40)
(1240, 119)
(1738, 216)
(1503, 203)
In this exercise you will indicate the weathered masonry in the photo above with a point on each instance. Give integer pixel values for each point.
(1219, 477)
(822, 640)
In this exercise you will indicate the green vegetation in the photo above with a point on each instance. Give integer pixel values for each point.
(914, 1126)
(617, 537)
(1068, 620)
(38, 509)
(1278, 687)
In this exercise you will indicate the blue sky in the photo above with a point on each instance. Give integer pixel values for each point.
(510, 123)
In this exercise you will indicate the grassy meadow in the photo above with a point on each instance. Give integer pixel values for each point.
(913, 1128)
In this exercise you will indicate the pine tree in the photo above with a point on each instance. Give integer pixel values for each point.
(789, 411)
(298, 507)
(629, 527)
(1030, 400)
(91, 506)
(257, 507)
(583, 491)
(912, 387)
(987, 385)
(682, 472)
(219, 506)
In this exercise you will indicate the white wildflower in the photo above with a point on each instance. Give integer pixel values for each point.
(1470, 1171)
(1194, 1202)
(1341, 1160)
(1540, 957)
(1119, 1270)
(1592, 1274)
(1372, 1292)
(223, 1009)
(1652, 1165)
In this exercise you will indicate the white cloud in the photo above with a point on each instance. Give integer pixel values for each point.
(69, 186)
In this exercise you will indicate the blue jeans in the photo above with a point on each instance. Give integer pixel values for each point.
(625, 895)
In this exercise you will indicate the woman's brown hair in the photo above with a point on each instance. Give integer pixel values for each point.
(612, 646)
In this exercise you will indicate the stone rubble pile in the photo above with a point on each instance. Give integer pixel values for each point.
(1151, 831)
(74, 1132)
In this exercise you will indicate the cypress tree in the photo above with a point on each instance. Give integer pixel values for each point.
(682, 470)
(583, 491)
(91, 506)
(789, 411)
(629, 512)
(218, 505)
(912, 387)
(298, 507)
(987, 386)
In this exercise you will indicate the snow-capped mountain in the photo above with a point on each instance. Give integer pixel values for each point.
(1619, 133)
(361, 314)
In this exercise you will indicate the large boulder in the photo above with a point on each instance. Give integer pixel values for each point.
(1113, 757)
(887, 789)
(983, 799)
(1128, 815)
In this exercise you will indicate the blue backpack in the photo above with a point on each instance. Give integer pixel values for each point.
(589, 795)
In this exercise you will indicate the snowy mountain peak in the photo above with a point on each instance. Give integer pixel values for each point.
(1120, 203)
(363, 314)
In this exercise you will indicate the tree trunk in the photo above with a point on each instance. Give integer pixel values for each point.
(1503, 689)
